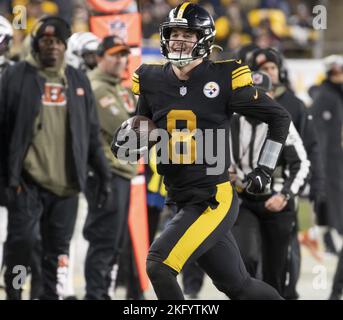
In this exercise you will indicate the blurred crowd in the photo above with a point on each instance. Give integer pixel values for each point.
(283, 24)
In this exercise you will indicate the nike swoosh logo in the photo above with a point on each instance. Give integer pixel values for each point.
(256, 95)
(117, 145)
(144, 148)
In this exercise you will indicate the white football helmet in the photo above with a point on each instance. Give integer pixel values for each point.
(79, 44)
(6, 29)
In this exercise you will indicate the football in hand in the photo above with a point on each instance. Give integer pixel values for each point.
(139, 126)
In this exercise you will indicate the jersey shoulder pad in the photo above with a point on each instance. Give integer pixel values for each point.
(240, 74)
(144, 72)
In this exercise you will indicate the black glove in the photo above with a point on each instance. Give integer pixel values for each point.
(257, 180)
(104, 195)
(134, 150)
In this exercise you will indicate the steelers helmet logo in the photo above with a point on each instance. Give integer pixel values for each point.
(211, 89)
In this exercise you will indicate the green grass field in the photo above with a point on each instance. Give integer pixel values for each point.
(306, 216)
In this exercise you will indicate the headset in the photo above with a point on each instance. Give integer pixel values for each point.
(283, 74)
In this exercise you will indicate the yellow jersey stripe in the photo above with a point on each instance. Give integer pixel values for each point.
(201, 229)
(155, 184)
(242, 81)
(181, 10)
(239, 70)
(135, 88)
(240, 73)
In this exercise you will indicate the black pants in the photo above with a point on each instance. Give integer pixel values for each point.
(337, 286)
(201, 233)
(34, 214)
(293, 267)
(127, 273)
(154, 214)
(262, 233)
(104, 229)
(192, 278)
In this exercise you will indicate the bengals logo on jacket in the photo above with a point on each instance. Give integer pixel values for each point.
(54, 95)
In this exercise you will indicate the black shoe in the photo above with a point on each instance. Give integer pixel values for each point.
(70, 298)
(335, 296)
(191, 294)
(139, 296)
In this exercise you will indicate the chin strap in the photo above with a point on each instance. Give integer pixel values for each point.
(180, 60)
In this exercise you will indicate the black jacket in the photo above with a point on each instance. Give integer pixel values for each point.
(303, 122)
(21, 89)
(327, 110)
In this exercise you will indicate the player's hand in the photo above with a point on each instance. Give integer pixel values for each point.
(233, 176)
(276, 203)
(126, 142)
(257, 181)
(132, 139)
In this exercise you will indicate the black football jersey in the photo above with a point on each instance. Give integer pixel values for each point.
(206, 101)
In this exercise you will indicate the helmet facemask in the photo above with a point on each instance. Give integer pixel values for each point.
(201, 48)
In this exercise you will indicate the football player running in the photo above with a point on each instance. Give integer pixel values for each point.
(191, 94)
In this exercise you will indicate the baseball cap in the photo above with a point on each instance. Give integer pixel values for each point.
(112, 44)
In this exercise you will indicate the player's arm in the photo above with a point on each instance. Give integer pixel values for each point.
(143, 108)
(251, 102)
(295, 157)
(126, 140)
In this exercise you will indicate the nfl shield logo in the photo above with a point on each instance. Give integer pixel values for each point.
(118, 28)
(183, 91)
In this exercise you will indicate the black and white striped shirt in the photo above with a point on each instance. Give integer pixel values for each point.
(246, 140)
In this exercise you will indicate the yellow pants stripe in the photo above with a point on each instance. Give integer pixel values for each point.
(197, 233)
